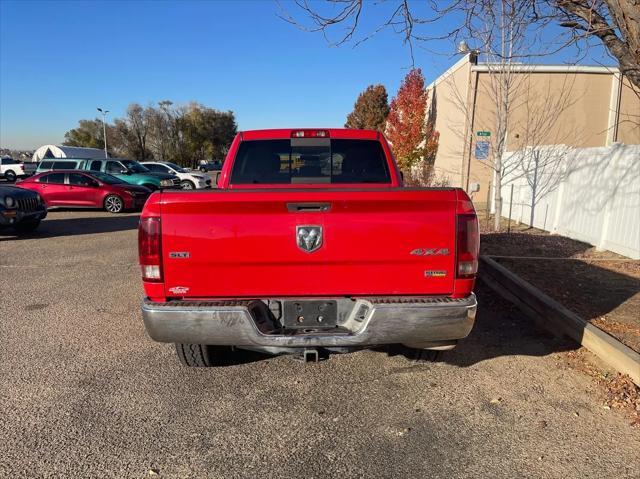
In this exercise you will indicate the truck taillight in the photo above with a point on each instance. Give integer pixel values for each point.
(150, 248)
(468, 246)
(310, 134)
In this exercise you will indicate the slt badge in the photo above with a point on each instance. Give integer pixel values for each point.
(309, 237)
(179, 290)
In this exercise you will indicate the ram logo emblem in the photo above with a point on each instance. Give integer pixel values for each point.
(309, 237)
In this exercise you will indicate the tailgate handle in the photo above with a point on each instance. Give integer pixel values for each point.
(307, 207)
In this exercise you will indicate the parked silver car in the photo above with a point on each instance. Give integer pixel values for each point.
(189, 179)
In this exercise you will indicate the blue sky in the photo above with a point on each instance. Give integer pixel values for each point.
(61, 60)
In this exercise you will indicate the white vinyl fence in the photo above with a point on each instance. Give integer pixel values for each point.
(588, 194)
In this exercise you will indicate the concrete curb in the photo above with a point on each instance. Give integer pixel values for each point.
(550, 314)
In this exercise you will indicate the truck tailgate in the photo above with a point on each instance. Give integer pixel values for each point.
(243, 243)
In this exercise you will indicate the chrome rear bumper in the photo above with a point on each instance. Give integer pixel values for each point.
(415, 322)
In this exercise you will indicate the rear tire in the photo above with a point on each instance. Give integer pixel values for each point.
(113, 204)
(26, 227)
(187, 185)
(201, 355)
(10, 176)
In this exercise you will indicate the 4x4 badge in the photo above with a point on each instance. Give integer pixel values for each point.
(309, 237)
(430, 252)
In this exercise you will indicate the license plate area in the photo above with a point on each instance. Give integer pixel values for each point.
(310, 314)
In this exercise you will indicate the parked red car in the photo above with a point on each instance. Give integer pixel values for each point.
(75, 188)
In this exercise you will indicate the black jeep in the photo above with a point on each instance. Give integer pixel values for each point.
(20, 209)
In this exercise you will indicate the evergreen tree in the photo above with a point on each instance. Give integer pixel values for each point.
(370, 110)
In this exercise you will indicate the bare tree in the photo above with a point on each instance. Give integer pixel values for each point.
(525, 112)
(614, 23)
(183, 134)
(160, 130)
(138, 120)
(505, 34)
(542, 146)
(501, 31)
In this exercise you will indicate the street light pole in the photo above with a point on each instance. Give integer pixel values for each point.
(104, 129)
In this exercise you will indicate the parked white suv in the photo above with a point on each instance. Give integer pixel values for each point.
(188, 179)
(11, 169)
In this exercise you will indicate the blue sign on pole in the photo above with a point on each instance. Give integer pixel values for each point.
(482, 150)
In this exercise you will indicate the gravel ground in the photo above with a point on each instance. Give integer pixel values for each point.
(85, 393)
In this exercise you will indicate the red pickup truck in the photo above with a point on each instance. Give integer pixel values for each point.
(310, 245)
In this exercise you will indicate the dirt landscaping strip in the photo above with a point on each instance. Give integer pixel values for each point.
(599, 286)
(553, 315)
(607, 294)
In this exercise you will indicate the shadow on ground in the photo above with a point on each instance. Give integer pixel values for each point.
(529, 244)
(609, 299)
(53, 227)
(500, 330)
(599, 286)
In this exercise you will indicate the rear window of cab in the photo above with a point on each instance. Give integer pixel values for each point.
(309, 161)
(58, 165)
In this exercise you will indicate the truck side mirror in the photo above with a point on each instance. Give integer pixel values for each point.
(217, 177)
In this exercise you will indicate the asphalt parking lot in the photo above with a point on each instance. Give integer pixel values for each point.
(85, 393)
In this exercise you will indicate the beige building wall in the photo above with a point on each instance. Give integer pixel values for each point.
(449, 103)
(629, 114)
(547, 109)
(485, 119)
(574, 106)
(565, 108)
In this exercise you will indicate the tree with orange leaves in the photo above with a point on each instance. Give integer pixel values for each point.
(412, 137)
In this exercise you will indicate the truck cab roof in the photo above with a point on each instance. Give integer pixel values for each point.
(282, 133)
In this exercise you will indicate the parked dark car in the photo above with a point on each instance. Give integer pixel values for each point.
(211, 166)
(20, 209)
